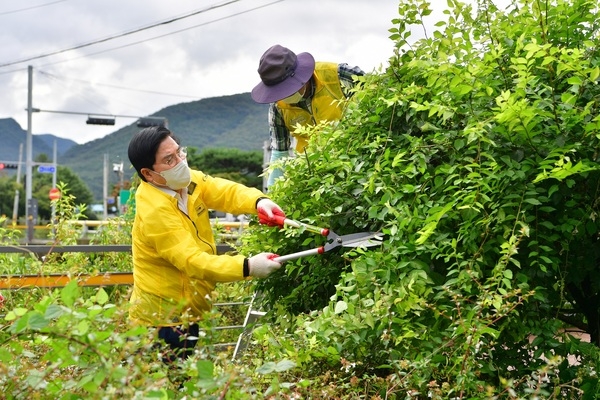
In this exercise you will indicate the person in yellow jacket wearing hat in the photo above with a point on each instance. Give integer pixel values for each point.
(301, 92)
(175, 261)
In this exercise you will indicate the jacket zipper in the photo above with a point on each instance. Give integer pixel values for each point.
(214, 251)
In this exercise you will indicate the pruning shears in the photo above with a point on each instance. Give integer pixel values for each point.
(361, 239)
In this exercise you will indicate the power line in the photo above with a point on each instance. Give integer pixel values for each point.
(88, 113)
(117, 87)
(80, 94)
(143, 41)
(133, 43)
(31, 8)
(13, 71)
(137, 30)
(164, 35)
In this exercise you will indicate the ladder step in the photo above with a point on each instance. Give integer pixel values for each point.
(257, 313)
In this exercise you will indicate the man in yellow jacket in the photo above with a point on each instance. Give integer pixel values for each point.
(175, 261)
(301, 92)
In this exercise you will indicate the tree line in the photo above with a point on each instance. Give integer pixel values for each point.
(238, 165)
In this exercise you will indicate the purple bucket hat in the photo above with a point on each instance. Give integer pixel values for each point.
(282, 74)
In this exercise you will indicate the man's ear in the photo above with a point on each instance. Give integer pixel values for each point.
(147, 174)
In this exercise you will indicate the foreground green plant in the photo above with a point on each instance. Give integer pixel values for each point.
(77, 342)
(74, 346)
(74, 343)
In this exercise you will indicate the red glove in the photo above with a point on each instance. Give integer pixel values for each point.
(269, 213)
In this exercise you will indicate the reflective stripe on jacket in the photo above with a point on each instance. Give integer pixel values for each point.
(175, 262)
(325, 103)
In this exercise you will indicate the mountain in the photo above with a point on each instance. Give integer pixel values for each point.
(13, 136)
(62, 145)
(234, 121)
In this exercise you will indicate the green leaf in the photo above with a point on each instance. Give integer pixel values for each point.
(340, 307)
(266, 368)
(20, 311)
(205, 369)
(101, 296)
(575, 80)
(568, 98)
(20, 325)
(160, 394)
(284, 365)
(70, 293)
(36, 379)
(5, 355)
(535, 202)
(37, 321)
(54, 311)
(82, 327)
(10, 316)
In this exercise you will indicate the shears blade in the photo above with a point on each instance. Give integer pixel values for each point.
(361, 239)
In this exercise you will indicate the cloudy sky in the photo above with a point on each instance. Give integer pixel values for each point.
(134, 57)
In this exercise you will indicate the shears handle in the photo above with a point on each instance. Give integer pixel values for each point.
(282, 221)
(293, 256)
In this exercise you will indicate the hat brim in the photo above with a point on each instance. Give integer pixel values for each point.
(269, 94)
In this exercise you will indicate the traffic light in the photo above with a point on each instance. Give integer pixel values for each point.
(100, 121)
(151, 121)
(8, 166)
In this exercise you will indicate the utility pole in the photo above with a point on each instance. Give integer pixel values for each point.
(31, 203)
(29, 206)
(105, 188)
(118, 169)
(54, 172)
(15, 216)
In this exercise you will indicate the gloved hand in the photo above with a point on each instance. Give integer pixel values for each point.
(267, 209)
(261, 265)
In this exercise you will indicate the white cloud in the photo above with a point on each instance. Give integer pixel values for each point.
(215, 53)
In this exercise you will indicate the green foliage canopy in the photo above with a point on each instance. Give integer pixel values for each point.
(476, 154)
(42, 183)
(237, 165)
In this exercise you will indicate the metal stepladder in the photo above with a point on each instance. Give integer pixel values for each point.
(252, 317)
(333, 240)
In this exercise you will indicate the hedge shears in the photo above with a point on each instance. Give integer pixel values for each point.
(361, 239)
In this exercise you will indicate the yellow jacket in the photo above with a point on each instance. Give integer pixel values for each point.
(174, 254)
(326, 102)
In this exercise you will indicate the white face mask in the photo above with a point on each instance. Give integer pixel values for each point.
(293, 99)
(178, 177)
